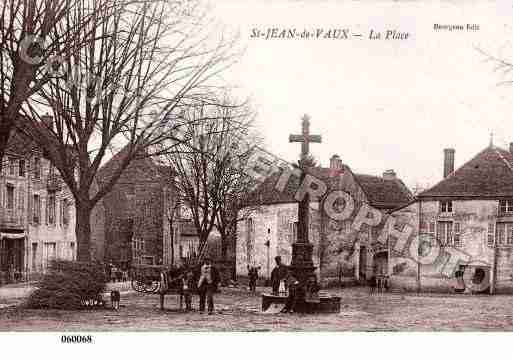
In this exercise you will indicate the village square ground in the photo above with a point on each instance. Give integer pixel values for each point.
(237, 310)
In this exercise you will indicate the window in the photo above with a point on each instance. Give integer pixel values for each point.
(36, 210)
(49, 253)
(293, 227)
(444, 234)
(50, 208)
(72, 250)
(137, 246)
(423, 227)
(12, 166)
(506, 206)
(21, 200)
(34, 257)
(504, 233)
(21, 168)
(64, 212)
(37, 168)
(446, 206)
(491, 234)
(10, 197)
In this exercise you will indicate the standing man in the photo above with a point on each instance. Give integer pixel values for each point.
(278, 274)
(207, 285)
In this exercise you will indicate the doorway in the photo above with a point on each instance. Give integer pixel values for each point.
(12, 252)
(381, 263)
(362, 264)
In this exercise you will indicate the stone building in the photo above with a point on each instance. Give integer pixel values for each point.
(340, 253)
(143, 220)
(469, 214)
(37, 221)
(137, 223)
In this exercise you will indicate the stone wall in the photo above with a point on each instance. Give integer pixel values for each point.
(134, 213)
(474, 217)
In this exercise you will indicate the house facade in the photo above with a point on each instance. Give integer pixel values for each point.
(468, 216)
(340, 252)
(37, 216)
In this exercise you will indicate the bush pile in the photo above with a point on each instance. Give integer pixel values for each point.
(68, 285)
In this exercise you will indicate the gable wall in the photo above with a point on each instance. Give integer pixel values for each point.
(334, 258)
(474, 217)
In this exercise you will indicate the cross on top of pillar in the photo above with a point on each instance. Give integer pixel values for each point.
(305, 138)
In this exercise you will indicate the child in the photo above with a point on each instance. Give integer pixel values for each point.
(293, 296)
(253, 277)
(188, 285)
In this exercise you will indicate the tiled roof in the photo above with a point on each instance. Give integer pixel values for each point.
(139, 170)
(20, 144)
(381, 193)
(384, 193)
(488, 174)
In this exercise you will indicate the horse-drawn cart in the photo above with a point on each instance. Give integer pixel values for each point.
(155, 279)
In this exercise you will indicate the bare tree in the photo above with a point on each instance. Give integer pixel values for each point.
(30, 39)
(208, 175)
(128, 87)
(235, 191)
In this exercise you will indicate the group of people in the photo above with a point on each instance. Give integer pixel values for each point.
(115, 274)
(283, 280)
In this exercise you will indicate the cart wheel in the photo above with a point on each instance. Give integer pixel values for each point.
(152, 287)
(138, 285)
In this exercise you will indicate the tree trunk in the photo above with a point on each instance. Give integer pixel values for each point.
(224, 247)
(5, 133)
(83, 233)
(172, 235)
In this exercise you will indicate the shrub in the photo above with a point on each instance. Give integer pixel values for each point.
(68, 285)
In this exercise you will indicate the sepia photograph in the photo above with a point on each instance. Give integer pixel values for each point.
(289, 166)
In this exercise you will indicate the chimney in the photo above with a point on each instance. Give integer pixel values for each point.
(389, 175)
(47, 121)
(448, 161)
(511, 147)
(335, 162)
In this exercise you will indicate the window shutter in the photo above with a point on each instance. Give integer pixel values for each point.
(457, 240)
(29, 210)
(14, 202)
(491, 234)
(432, 228)
(45, 205)
(21, 201)
(509, 233)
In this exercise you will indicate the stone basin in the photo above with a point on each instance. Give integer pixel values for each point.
(327, 303)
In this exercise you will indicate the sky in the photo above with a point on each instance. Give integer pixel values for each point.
(378, 104)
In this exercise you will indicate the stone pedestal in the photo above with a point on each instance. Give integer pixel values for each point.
(327, 303)
(302, 264)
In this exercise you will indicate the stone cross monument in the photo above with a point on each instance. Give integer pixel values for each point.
(302, 264)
